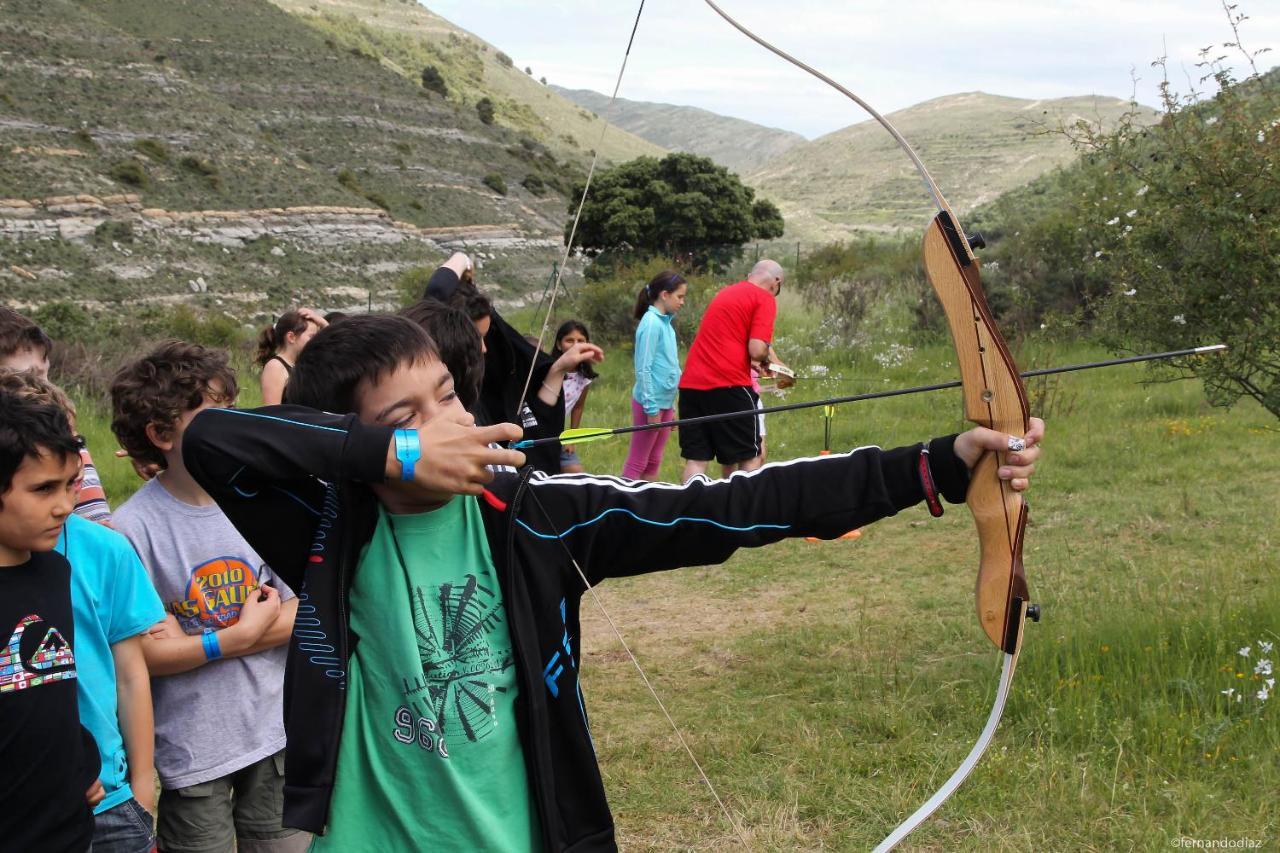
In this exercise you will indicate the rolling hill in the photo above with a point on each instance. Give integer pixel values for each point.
(976, 146)
(738, 145)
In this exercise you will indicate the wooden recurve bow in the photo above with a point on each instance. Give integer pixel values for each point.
(994, 397)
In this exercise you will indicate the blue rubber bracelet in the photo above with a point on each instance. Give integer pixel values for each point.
(212, 649)
(408, 451)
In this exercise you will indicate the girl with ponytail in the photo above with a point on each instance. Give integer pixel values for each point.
(657, 372)
(278, 349)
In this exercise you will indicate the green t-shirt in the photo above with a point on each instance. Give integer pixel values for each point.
(430, 758)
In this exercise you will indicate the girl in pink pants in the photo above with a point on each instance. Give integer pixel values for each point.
(657, 372)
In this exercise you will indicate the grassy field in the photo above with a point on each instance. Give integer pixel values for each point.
(829, 688)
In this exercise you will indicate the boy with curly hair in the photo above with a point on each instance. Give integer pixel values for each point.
(218, 659)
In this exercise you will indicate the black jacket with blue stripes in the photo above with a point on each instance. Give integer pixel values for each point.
(294, 482)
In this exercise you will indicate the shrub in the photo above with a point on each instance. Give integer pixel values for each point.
(433, 80)
(495, 182)
(130, 172)
(534, 183)
(484, 109)
(153, 148)
(504, 59)
(113, 231)
(198, 165)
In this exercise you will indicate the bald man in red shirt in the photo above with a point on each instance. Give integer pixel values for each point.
(734, 335)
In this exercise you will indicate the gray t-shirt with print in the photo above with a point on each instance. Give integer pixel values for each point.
(228, 713)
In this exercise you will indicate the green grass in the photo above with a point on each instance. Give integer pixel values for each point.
(829, 688)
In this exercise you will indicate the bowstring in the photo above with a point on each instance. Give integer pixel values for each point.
(577, 216)
(590, 589)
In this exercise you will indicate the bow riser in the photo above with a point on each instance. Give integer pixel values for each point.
(993, 398)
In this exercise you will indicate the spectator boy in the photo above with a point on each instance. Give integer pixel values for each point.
(435, 700)
(49, 784)
(217, 660)
(24, 346)
(113, 604)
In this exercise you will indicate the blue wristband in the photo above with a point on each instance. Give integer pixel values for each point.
(408, 451)
(209, 639)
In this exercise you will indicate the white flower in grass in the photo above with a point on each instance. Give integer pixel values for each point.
(1245, 652)
(1098, 254)
(1131, 291)
(1211, 120)
(1132, 213)
(1262, 136)
(1180, 319)
(1229, 692)
(1113, 221)
(1270, 682)
(1265, 646)
(1128, 228)
(1262, 667)
(1263, 694)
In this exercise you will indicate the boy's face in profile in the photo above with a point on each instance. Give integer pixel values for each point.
(28, 358)
(36, 505)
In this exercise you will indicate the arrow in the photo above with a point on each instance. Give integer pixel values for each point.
(584, 435)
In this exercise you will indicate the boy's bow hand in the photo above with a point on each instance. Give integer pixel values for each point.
(456, 455)
(1018, 465)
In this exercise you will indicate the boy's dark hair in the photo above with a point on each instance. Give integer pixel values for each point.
(470, 301)
(17, 333)
(160, 387)
(28, 428)
(458, 343)
(360, 348)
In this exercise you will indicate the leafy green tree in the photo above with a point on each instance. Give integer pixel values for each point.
(495, 182)
(1189, 232)
(484, 109)
(680, 205)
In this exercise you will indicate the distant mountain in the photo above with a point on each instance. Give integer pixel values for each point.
(741, 146)
(975, 145)
(406, 37)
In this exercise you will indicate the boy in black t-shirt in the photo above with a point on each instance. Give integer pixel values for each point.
(50, 781)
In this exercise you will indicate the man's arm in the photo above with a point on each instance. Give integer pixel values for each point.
(758, 351)
(137, 724)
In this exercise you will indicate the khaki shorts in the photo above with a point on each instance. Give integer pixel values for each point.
(241, 809)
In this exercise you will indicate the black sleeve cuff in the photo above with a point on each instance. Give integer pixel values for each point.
(950, 474)
(366, 451)
(441, 285)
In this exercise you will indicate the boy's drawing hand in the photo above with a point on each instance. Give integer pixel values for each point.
(1019, 465)
(257, 613)
(455, 454)
(95, 794)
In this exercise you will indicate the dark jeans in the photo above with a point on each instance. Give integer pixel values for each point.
(126, 828)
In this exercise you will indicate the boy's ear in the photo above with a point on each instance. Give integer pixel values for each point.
(161, 437)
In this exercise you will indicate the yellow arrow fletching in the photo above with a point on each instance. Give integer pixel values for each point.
(582, 435)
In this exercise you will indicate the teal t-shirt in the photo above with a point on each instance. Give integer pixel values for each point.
(430, 758)
(112, 599)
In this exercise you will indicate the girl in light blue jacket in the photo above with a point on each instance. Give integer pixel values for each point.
(657, 372)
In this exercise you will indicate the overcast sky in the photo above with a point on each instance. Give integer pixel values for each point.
(894, 53)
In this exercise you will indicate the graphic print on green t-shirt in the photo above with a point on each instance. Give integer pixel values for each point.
(462, 671)
(430, 757)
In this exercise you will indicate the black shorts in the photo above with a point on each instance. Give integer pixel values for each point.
(729, 441)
